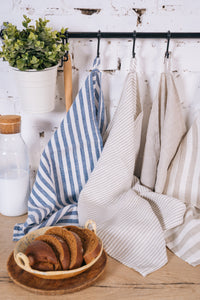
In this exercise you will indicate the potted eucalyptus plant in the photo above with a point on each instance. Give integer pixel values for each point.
(34, 54)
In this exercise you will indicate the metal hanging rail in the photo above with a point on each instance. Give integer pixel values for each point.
(129, 35)
(140, 35)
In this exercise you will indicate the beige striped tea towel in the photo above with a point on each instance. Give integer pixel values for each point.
(130, 218)
(183, 182)
(165, 130)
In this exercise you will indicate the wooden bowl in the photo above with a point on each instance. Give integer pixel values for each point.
(23, 262)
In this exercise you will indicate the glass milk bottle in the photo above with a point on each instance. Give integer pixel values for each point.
(14, 168)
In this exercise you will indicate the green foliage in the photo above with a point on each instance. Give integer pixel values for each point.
(34, 47)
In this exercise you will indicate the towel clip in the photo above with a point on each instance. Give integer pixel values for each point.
(98, 44)
(134, 38)
(168, 39)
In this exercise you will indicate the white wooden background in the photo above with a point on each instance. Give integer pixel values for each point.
(109, 15)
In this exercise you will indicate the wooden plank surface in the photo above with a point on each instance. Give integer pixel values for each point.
(176, 280)
(57, 286)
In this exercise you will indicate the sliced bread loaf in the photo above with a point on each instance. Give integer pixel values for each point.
(74, 244)
(90, 242)
(41, 256)
(60, 248)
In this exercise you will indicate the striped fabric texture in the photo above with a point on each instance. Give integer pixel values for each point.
(183, 182)
(130, 218)
(67, 160)
(164, 133)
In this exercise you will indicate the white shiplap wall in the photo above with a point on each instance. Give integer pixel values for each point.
(109, 15)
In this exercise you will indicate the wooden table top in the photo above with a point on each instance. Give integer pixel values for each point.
(176, 280)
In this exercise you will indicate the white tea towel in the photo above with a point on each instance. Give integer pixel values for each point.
(165, 130)
(183, 182)
(67, 160)
(130, 218)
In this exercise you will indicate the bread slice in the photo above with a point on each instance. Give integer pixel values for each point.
(91, 244)
(41, 256)
(60, 248)
(74, 243)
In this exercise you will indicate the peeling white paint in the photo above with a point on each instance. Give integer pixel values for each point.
(113, 15)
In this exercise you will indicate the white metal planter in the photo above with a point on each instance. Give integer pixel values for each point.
(36, 89)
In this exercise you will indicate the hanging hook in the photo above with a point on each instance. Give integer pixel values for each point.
(2, 27)
(168, 39)
(98, 43)
(65, 57)
(66, 41)
(134, 38)
(1, 34)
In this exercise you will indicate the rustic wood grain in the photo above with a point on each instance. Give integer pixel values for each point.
(175, 281)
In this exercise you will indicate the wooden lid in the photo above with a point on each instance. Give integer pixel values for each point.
(10, 124)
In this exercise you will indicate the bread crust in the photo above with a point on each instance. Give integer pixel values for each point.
(74, 243)
(60, 248)
(88, 257)
(41, 256)
(87, 237)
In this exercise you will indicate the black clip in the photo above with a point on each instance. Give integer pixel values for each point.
(1, 34)
(168, 39)
(2, 27)
(98, 43)
(134, 38)
(65, 57)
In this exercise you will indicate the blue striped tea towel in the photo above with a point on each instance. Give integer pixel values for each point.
(67, 160)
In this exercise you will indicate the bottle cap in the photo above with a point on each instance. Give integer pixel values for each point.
(10, 124)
